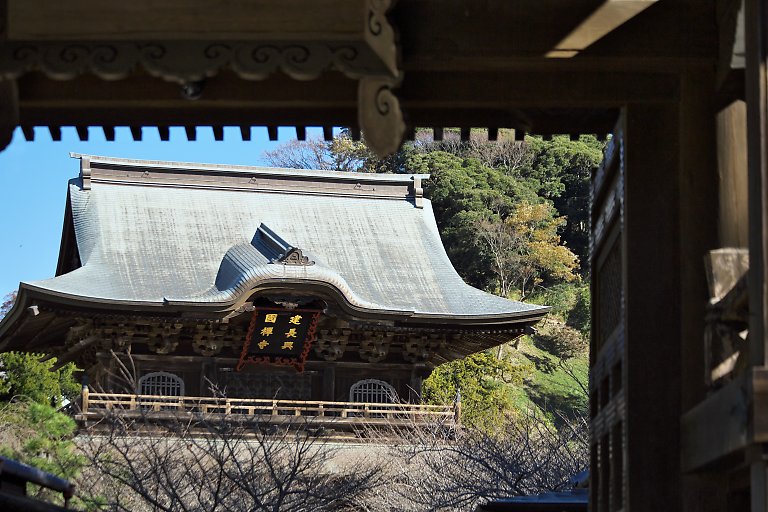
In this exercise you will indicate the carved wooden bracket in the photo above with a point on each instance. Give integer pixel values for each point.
(418, 349)
(379, 114)
(332, 343)
(374, 347)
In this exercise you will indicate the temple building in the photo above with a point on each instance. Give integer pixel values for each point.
(255, 284)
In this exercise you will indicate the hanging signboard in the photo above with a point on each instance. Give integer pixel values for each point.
(279, 336)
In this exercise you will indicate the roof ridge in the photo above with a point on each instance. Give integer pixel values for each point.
(245, 169)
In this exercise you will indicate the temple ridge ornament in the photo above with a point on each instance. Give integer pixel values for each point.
(295, 257)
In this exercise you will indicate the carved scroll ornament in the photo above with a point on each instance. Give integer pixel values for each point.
(379, 114)
(185, 62)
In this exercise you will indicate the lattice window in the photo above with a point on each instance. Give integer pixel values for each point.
(161, 384)
(373, 391)
(609, 294)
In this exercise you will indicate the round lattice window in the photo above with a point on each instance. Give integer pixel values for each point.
(161, 384)
(373, 391)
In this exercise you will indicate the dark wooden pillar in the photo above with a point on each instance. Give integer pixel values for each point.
(417, 379)
(756, 40)
(651, 277)
(699, 220)
(756, 17)
(329, 383)
(698, 233)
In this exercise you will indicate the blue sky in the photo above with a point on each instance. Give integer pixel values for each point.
(34, 175)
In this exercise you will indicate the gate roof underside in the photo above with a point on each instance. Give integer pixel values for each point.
(541, 66)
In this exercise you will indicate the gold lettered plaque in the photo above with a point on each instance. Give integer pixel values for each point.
(279, 336)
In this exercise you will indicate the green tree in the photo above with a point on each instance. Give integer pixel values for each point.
(558, 170)
(526, 247)
(579, 316)
(463, 193)
(561, 170)
(43, 438)
(38, 435)
(25, 376)
(341, 153)
(483, 380)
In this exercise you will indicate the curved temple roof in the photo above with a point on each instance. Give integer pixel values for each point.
(168, 235)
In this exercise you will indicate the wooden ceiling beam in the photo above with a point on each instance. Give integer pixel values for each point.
(537, 102)
(432, 90)
(495, 35)
(536, 89)
(609, 16)
(93, 20)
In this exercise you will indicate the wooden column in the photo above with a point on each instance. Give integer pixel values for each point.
(699, 220)
(757, 131)
(329, 383)
(417, 380)
(756, 40)
(698, 234)
(651, 277)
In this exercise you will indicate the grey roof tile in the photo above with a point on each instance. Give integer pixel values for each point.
(199, 245)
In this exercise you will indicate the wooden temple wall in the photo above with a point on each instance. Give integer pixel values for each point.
(207, 377)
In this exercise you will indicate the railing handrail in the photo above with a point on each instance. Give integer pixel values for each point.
(344, 411)
(165, 399)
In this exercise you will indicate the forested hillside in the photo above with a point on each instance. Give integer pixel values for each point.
(513, 217)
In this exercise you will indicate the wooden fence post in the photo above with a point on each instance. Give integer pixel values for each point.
(457, 408)
(84, 404)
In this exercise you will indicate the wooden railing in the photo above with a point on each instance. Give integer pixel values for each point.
(99, 403)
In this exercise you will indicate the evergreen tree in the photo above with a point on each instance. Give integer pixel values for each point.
(25, 376)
